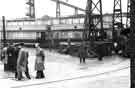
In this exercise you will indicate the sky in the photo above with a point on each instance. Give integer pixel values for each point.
(17, 8)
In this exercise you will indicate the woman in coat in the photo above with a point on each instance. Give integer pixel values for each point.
(39, 62)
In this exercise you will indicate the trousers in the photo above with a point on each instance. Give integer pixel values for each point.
(19, 74)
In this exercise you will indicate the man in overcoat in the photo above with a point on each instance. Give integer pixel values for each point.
(82, 52)
(11, 58)
(22, 63)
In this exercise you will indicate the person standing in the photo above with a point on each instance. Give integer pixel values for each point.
(39, 62)
(22, 63)
(17, 49)
(82, 53)
(11, 58)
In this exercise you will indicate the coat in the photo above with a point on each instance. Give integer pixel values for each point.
(11, 55)
(22, 60)
(16, 55)
(82, 52)
(100, 50)
(4, 56)
(39, 62)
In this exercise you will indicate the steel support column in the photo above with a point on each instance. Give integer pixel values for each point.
(4, 32)
(31, 9)
(58, 9)
(76, 12)
(131, 46)
(128, 14)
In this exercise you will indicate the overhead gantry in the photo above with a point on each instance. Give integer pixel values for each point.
(31, 9)
(58, 11)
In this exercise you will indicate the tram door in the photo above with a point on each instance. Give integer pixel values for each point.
(40, 36)
(43, 35)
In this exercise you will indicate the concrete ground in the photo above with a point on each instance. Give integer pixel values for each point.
(64, 71)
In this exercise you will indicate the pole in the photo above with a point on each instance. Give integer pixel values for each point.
(4, 40)
(4, 31)
(132, 43)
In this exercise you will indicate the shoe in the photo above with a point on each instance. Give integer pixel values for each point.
(28, 76)
(19, 79)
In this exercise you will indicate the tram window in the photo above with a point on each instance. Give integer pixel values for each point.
(81, 20)
(55, 21)
(77, 35)
(69, 21)
(32, 22)
(75, 21)
(49, 22)
(38, 22)
(56, 35)
(26, 23)
(63, 21)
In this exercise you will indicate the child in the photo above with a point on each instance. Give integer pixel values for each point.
(39, 62)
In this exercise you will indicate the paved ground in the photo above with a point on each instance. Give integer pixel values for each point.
(64, 71)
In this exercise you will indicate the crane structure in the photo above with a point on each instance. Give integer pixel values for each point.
(31, 9)
(58, 11)
(90, 23)
(117, 19)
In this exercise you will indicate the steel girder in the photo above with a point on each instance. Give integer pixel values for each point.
(31, 8)
(117, 19)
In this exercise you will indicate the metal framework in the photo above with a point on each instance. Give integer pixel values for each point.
(57, 9)
(128, 14)
(93, 19)
(31, 8)
(132, 14)
(58, 2)
(117, 18)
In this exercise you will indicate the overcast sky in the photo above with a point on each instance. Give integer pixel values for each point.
(17, 8)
